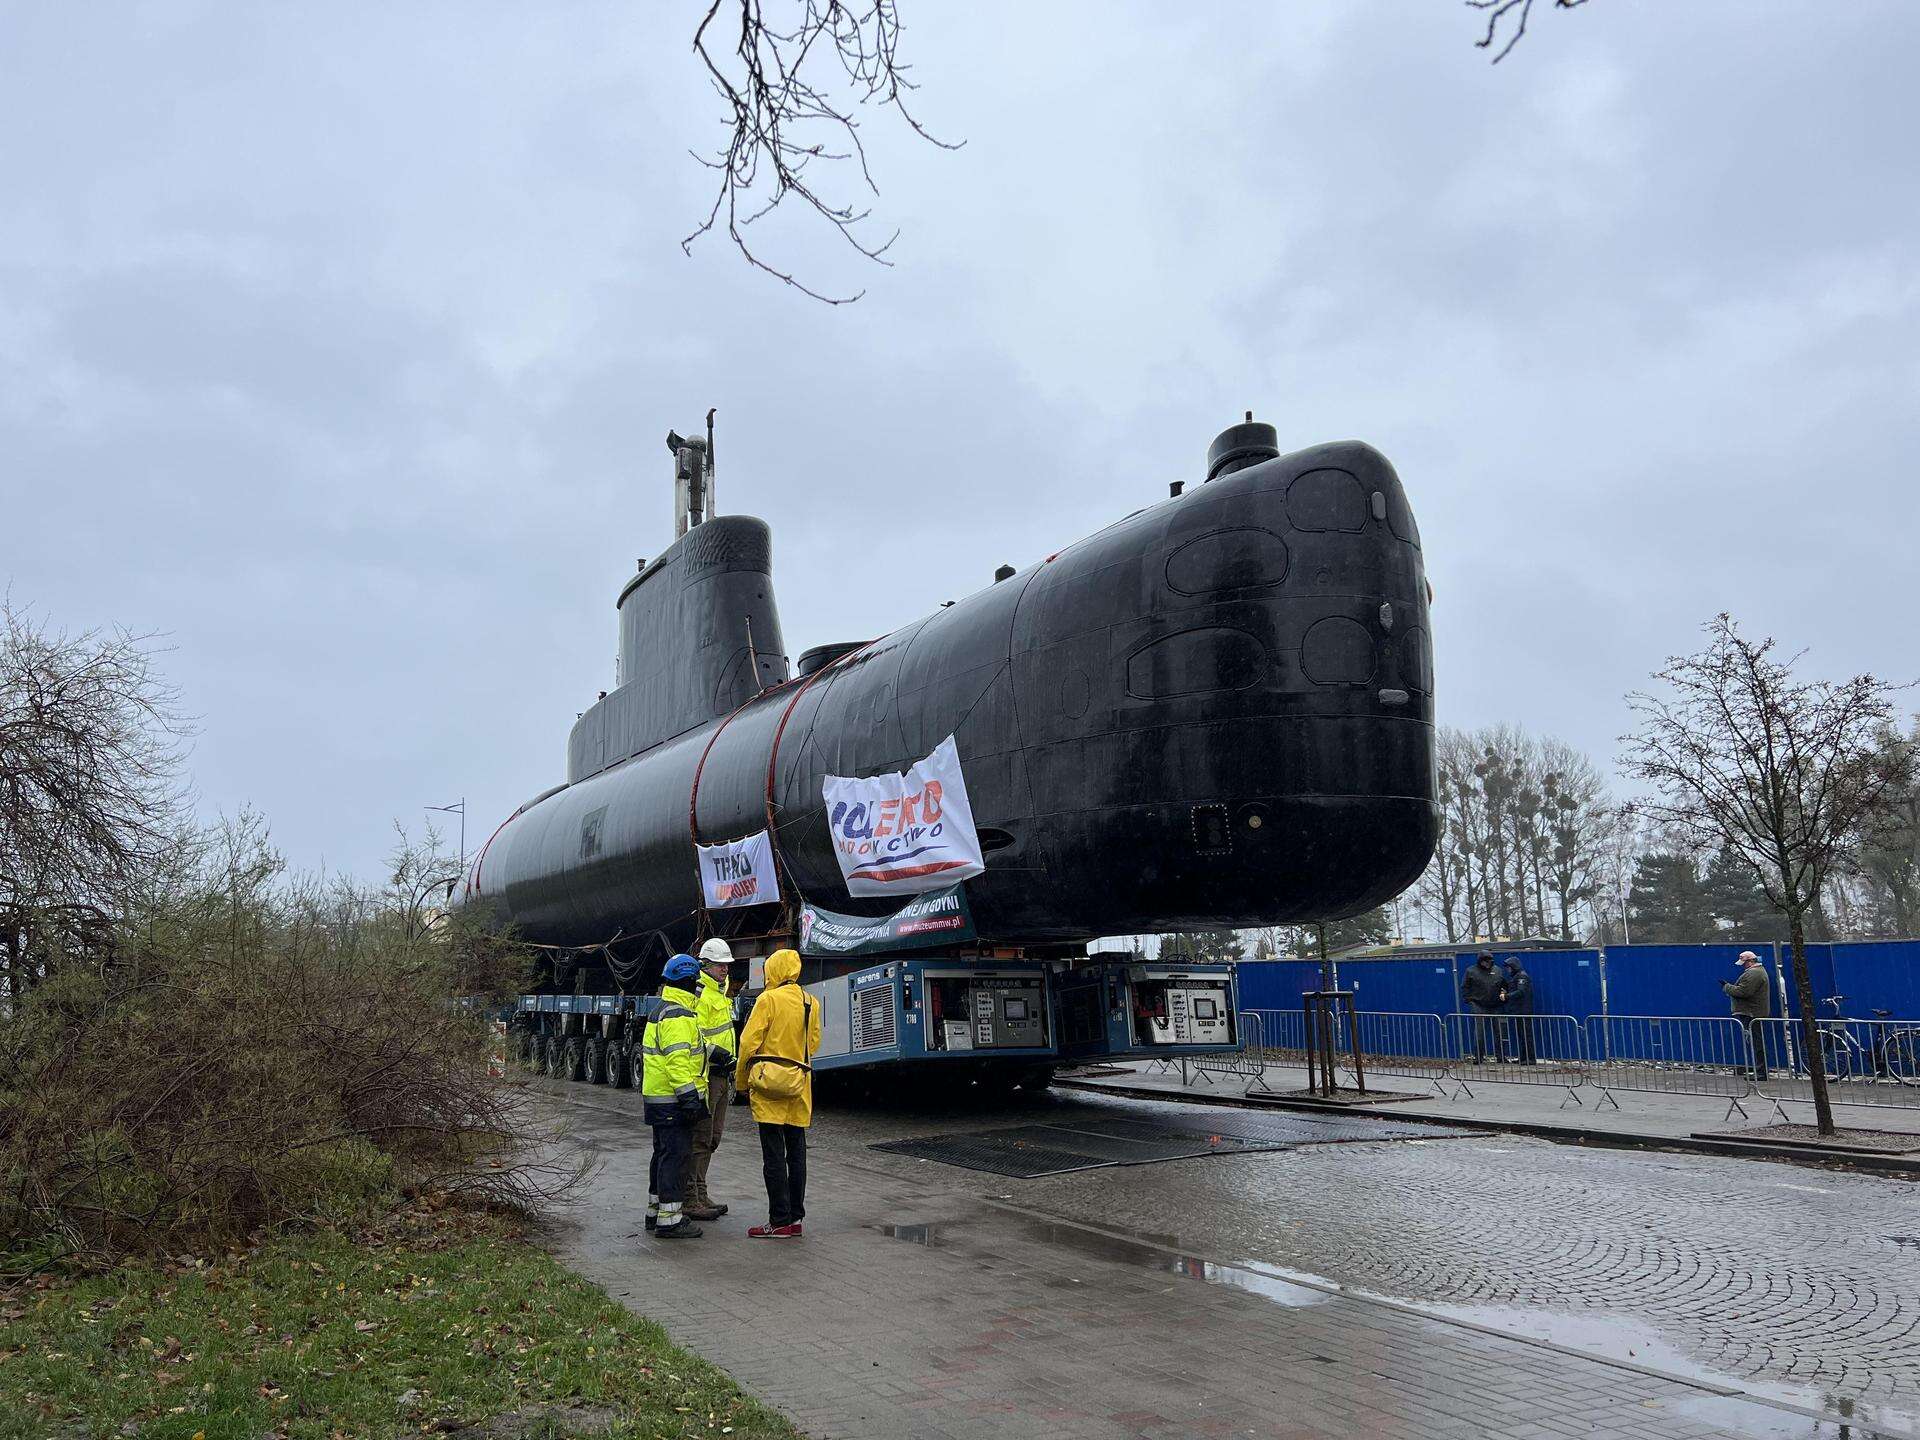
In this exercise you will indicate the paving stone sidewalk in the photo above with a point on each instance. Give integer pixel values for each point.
(930, 1301)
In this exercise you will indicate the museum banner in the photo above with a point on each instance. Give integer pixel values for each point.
(902, 834)
(738, 872)
(938, 918)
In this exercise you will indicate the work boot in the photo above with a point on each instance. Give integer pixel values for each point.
(685, 1230)
(702, 1205)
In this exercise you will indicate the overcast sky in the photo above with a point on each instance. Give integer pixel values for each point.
(338, 342)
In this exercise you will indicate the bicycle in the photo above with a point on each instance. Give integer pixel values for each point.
(1891, 1055)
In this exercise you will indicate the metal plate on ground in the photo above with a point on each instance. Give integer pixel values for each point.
(1091, 1142)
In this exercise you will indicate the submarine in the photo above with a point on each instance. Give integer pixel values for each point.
(1217, 712)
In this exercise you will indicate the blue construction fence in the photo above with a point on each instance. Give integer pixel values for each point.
(1667, 980)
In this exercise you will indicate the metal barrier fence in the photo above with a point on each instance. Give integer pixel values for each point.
(1519, 1050)
(1669, 1055)
(1283, 1035)
(1248, 1062)
(1404, 1044)
(1868, 1062)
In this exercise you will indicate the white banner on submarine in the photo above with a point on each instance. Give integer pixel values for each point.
(739, 872)
(902, 834)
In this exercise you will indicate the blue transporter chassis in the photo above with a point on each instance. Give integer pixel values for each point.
(952, 1020)
(1020, 1019)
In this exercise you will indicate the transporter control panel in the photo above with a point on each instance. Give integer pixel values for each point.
(988, 1012)
(1183, 1011)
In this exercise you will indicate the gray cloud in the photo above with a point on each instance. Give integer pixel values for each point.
(340, 344)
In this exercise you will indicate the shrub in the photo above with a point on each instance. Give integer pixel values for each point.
(256, 1052)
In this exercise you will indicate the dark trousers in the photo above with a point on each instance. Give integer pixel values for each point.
(783, 1155)
(1485, 1033)
(667, 1170)
(1522, 1023)
(1757, 1045)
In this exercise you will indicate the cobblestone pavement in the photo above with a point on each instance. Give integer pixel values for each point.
(1804, 1280)
(1565, 1292)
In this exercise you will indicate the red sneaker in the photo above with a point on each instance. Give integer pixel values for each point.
(774, 1232)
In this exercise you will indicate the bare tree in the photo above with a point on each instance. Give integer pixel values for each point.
(1507, 22)
(1782, 772)
(791, 88)
(91, 801)
(1523, 834)
(1575, 823)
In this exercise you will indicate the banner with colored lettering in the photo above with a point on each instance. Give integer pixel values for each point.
(940, 917)
(902, 834)
(739, 872)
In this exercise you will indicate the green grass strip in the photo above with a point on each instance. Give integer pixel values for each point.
(321, 1337)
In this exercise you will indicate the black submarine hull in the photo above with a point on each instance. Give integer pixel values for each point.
(1217, 712)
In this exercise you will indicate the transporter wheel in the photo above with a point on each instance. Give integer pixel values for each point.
(636, 1068)
(555, 1046)
(595, 1062)
(1039, 1078)
(573, 1059)
(536, 1058)
(618, 1075)
(995, 1083)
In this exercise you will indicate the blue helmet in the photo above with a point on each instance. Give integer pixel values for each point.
(680, 967)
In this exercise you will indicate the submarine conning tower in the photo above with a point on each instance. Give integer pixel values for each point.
(699, 629)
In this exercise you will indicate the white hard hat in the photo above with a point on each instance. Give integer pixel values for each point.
(1744, 955)
(715, 952)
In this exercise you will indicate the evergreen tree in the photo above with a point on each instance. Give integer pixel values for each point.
(1375, 927)
(1668, 904)
(1210, 947)
(1736, 902)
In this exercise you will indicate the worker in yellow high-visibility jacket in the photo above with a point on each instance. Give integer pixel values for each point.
(714, 1011)
(673, 1092)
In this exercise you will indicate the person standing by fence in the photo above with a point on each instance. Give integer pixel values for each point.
(1519, 1009)
(1752, 1000)
(776, 1049)
(1480, 993)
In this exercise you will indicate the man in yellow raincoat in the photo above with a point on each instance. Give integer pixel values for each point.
(776, 1073)
(673, 1097)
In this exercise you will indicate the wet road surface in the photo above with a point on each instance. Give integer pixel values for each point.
(1408, 1288)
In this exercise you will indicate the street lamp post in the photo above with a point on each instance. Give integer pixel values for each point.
(460, 809)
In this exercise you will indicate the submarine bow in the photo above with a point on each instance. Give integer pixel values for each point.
(1216, 712)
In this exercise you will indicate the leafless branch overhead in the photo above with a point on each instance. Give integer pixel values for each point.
(1513, 16)
(788, 104)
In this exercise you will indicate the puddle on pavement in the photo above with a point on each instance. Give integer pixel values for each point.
(1619, 1337)
(1762, 1422)
(1605, 1337)
(1122, 1251)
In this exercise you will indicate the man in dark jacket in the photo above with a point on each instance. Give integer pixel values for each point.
(1751, 999)
(1480, 993)
(1519, 1008)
